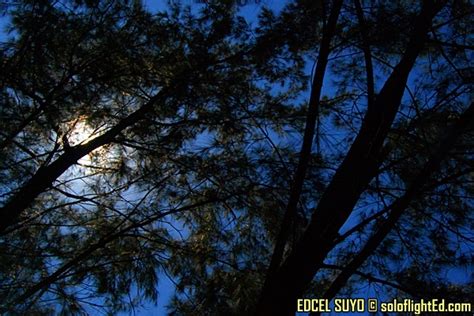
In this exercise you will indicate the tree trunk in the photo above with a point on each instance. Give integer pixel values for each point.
(350, 180)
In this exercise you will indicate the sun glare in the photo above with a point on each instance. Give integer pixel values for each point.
(80, 132)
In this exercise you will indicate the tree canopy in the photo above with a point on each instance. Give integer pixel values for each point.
(325, 149)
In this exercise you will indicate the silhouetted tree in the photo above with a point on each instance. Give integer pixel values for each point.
(324, 149)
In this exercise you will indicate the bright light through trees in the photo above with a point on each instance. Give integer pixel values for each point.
(323, 150)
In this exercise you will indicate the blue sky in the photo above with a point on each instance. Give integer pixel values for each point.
(250, 12)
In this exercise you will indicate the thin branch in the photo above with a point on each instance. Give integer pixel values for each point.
(305, 153)
(367, 54)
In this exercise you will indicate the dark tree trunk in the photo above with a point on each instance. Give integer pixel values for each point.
(350, 180)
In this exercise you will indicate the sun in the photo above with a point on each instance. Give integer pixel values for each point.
(79, 131)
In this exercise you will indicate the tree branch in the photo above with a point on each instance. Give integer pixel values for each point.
(45, 176)
(399, 206)
(305, 153)
(367, 54)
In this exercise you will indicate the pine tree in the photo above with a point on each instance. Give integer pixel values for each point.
(324, 149)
